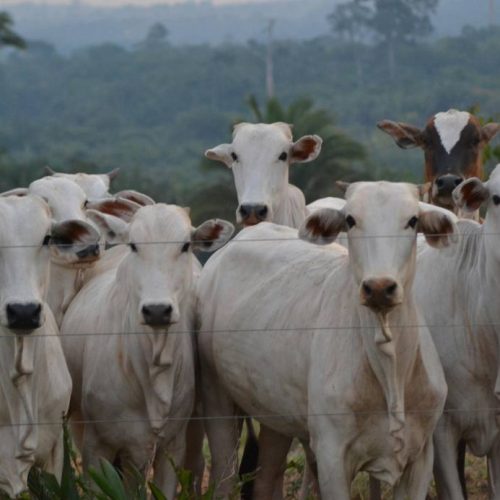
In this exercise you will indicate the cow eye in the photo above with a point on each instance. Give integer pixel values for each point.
(133, 247)
(85, 203)
(234, 156)
(283, 156)
(412, 222)
(496, 199)
(46, 240)
(350, 221)
(185, 247)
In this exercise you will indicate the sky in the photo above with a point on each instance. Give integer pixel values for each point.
(115, 3)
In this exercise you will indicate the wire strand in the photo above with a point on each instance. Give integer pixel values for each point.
(259, 416)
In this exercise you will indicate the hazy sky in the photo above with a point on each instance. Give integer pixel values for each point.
(113, 3)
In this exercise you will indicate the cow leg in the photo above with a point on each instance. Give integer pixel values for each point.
(93, 449)
(194, 460)
(54, 464)
(223, 434)
(417, 477)
(329, 448)
(446, 442)
(310, 478)
(494, 470)
(273, 449)
(167, 457)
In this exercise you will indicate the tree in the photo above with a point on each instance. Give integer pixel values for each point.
(7, 36)
(351, 20)
(157, 36)
(397, 21)
(391, 21)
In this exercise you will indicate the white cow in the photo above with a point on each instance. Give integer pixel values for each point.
(134, 385)
(260, 156)
(327, 345)
(35, 384)
(457, 289)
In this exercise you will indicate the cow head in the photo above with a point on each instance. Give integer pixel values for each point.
(382, 221)
(473, 193)
(158, 271)
(95, 186)
(260, 156)
(27, 235)
(452, 142)
(68, 203)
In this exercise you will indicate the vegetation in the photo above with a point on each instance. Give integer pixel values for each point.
(155, 109)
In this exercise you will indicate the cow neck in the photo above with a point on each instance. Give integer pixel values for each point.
(151, 354)
(65, 282)
(391, 347)
(484, 281)
(291, 211)
(19, 393)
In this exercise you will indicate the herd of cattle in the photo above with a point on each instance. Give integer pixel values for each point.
(378, 352)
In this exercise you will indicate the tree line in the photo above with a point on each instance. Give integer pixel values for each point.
(154, 109)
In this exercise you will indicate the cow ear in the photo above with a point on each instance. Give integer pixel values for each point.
(471, 194)
(438, 227)
(111, 175)
(306, 149)
(74, 241)
(117, 207)
(16, 192)
(423, 190)
(211, 235)
(135, 196)
(323, 226)
(222, 153)
(114, 229)
(406, 136)
(489, 131)
(342, 185)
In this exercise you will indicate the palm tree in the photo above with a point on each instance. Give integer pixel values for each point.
(340, 154)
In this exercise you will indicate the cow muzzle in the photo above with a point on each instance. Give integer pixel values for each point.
(89, 253)
(26, 317)
(157, 315)
(443, 187)
(380, 294)
(252, 213)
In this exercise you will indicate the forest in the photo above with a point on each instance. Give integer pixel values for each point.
(154, 109)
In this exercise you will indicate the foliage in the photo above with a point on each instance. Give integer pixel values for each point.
(154, 111)
(7, 36)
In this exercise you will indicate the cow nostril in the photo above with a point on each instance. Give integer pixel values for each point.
(439, 183)
(244, 212)
(263, 211)
(168, 310)
(367, 289)
(391, 289)
(458, 182)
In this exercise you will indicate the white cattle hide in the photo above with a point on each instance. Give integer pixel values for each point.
(134, 384)
(457, 289)
(300, 337)
(35, 385)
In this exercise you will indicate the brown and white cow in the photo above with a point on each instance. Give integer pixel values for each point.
(453, 142)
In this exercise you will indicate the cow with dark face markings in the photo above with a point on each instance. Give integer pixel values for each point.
(453, 142)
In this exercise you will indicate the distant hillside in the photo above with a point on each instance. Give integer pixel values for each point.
(72, 27)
